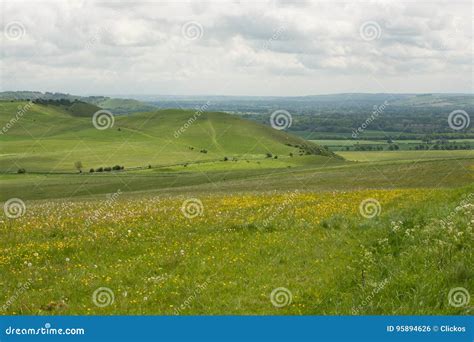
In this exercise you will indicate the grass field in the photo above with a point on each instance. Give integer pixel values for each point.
(386, 232)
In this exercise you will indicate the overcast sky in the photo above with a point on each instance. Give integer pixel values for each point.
(236, 47)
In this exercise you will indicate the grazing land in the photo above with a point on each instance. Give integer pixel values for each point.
(208, 213)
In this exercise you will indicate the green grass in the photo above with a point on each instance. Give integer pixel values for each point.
(265, 223)
(48, 139)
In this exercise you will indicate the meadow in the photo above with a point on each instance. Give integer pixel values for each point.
(233, 230)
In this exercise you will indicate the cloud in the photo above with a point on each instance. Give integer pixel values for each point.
(243, 47)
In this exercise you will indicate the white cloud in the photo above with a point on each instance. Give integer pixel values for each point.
(107, 47)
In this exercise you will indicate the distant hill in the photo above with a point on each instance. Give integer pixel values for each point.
(53, 137)
(117, 106)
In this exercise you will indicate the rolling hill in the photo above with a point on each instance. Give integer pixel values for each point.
(51, 138)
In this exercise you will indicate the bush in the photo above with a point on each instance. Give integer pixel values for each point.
(117, 167)
(203, 151)
(108, 169)
(100, 169)
(21, 170)
(269, 155)
(91, 170)
(226, 159)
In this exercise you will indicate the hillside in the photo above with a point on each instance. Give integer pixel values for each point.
(49, 138)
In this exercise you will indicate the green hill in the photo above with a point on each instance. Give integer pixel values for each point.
(51, 138)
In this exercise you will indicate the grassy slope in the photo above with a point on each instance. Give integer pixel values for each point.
(47, 138)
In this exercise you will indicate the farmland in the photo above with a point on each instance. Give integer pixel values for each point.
(183, 231)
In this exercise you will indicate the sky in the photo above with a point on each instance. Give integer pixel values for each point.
(278, 48)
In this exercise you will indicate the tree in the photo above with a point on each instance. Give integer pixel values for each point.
(78, 166)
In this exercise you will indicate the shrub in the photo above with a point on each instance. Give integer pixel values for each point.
(117, 167)
(21, 170)
(100, 169)
(108, 169)
(269, 155)
(226, 159)
(91, 170)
